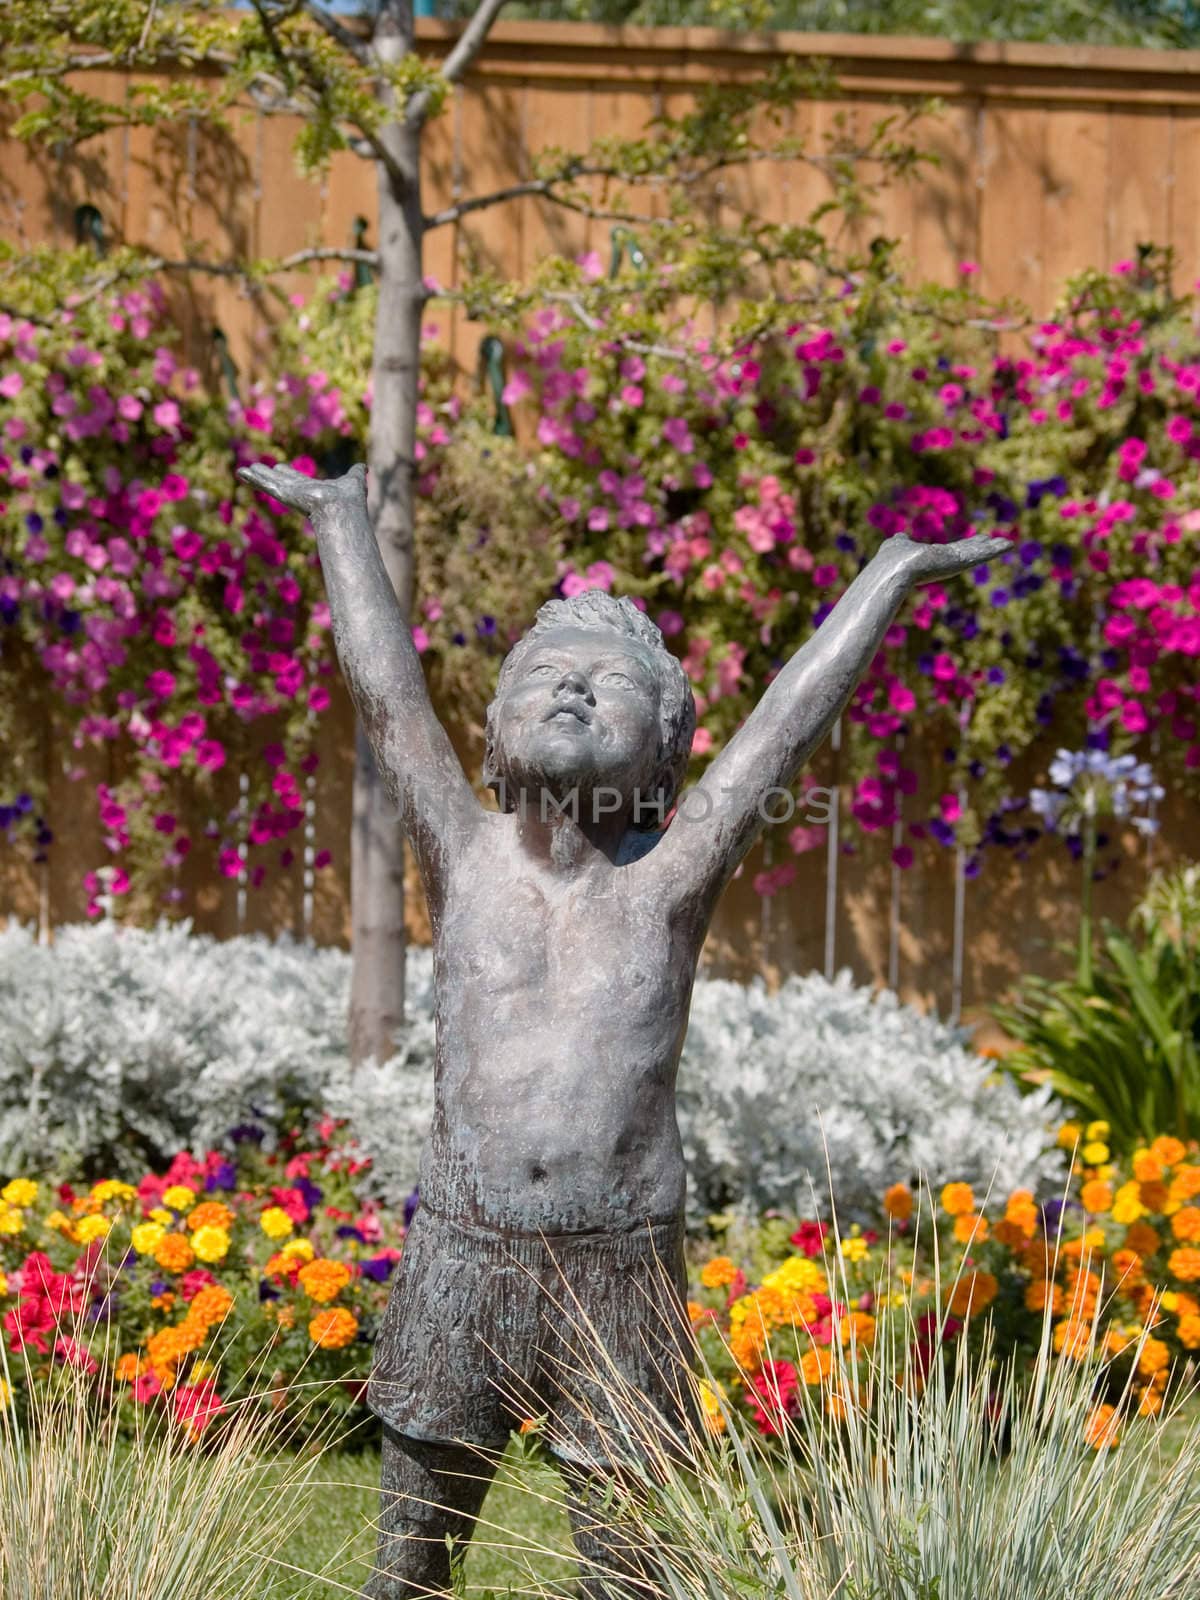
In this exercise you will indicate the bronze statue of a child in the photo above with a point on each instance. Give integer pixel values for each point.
(567, 927)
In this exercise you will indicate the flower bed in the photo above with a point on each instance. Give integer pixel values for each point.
(263, 1273)
(1113, 1262)
(220, 1278)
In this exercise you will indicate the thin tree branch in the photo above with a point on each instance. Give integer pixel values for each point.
(340, 35)
(471, 40)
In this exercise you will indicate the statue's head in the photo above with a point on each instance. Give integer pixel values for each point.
(589, 699)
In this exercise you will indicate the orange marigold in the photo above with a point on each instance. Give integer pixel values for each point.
(1155, 1196)
(1170, 1151)
(1154, 1357)
(1149, 1403)
(718, 1273)
(1147, 1166)
(1073, 1338)
(860, 1326)
(1185, 1224)
(212, 1304)
(323, 1280)
(816, 1364)
(970, 1229)
(1189, 1331)
(333, 1329)
(1041, 1290)
(1185, 1185)
(1184, 1263)
(1140, 1236)
(746, 1346)
(173, 1253)
(1102, 1430)
(1127, 1265)
(210, 1214)
(1022, 1212)
(898, 1202)
(1009, 1233)
(1096, 1196)
(975, 1291)
(958, 1199)
(129, 1367)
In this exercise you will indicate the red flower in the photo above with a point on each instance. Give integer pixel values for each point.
(775, 1385)
(809, 1237)
(145, 1388)
(75, 1354)
(29, 1322)
(192, 1282)
(293, 1202)
(196, 1404)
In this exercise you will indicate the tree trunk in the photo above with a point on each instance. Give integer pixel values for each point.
(377, 844)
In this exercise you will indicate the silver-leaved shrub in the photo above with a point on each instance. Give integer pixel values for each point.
(120, 1046)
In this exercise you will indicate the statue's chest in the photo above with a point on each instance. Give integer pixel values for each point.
(593, 950)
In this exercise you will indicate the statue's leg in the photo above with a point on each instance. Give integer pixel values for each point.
(614, 1562)
(428, 1492)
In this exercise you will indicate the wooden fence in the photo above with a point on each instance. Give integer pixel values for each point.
(1051, 160)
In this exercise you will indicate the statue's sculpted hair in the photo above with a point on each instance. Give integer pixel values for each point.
(600, 612)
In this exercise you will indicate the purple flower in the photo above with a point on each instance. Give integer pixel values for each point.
(410, 1206)
(378, 1268)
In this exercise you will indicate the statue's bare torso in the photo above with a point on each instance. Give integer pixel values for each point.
(561, 1011)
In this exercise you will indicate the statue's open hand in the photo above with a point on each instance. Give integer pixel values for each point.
(924, 563)
(302, 493)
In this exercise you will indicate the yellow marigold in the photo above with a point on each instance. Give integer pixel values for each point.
(210, 1214)
(275, 1222)
(19, 1192)
(201, 1370)
(179, 1197)
(1184, 1263)
(1142, 1238)
(161, 1215)
(958, 1199)
(1185, 1224)
(816, 1364)
(129, 1367)
(1189, 1331)
(970, 1229)
(89, 1228)
(1170, 1151)
(973, 1292)
(1147, 1168)
(859, 1326)
(333, 1329)
(855, 1249)
(212, 1304)
(1154, 1357)
(210, 1243)
(1041, 1291)
(1095, 1153)
(5, 1394)
(898, 1202)
(173, 1253)
(1096, 1196)
(3, 1283)
(1097, 1130)
(1073, 1339)
(718, 1273)
(797, 1272)
(1185, 1185)
(59, 1222)
(11, 1220)
(711, 1395)
(145, 1236)
(323, 1280)
(298, 1250)
(112, 1189)
(1127, 1206)
(1102, 1430)
(1069, 1135)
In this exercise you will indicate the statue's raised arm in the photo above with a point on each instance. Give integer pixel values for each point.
(381, 666)
(721, 817)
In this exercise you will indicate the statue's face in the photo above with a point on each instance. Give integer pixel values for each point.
(581, 707)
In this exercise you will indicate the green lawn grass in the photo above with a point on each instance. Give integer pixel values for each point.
(335, 1534)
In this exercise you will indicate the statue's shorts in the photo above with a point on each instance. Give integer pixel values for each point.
(486, 1329)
